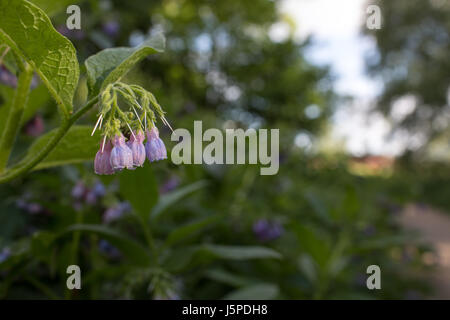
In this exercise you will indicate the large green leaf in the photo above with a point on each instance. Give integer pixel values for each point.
(140, 189)
(317, 245)
(130, 248)
(28, 31)
(111, 64)
(76, 146)
(181, 233)
(173, 197)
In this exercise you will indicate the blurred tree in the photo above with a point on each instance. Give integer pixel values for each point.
(220, 61)
(412, 60)
(222, 65)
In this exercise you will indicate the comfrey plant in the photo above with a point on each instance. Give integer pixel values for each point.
(114, 153)
(127, 112)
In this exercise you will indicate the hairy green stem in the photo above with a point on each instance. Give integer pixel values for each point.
(14, 116)
(59, 134)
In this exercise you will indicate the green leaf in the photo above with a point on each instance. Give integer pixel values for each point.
(308, 266)
(36, 100)
(179, 259)
(241, 252)
(173, 197)
(111, 64)
(29, 32)
(228, 278)
(317, 205)
(76, 146)
(186, 257)
(41, 242)
(181, 233)
(313, 243)
(130, 248)
(262, 291)
(140, 189)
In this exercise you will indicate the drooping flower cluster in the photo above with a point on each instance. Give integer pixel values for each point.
(116, 152)
(83, 194)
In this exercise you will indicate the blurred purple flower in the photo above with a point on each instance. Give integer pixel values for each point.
(360, 279)
(7, 78)
(169, 185)
(111, 28)
(125, 206)
(102, 162)
(21, 204)
(108, 249)
(137, 148)
(79, 190)
(267, 231)
(30, 207)
(34, 208)
(91, 198)
(77, 205)
(34, 81)
(4, 254)
(155, 148)
(35, 127)
(99, 189)
(369, 231)
(116, 212)
(121, 155)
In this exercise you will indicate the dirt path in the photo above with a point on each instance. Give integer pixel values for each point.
(434, 228)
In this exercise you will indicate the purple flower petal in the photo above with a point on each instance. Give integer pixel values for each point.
(102, 163)
(155, 148)
(121, 155)
(137, 148)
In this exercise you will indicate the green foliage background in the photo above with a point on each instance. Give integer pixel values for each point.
(196, 241)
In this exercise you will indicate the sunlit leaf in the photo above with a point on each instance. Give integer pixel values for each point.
(28, 31)
(173, 197)
(111, 64)
(75, 147)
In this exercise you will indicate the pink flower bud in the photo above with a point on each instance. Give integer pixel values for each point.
(102, 164)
